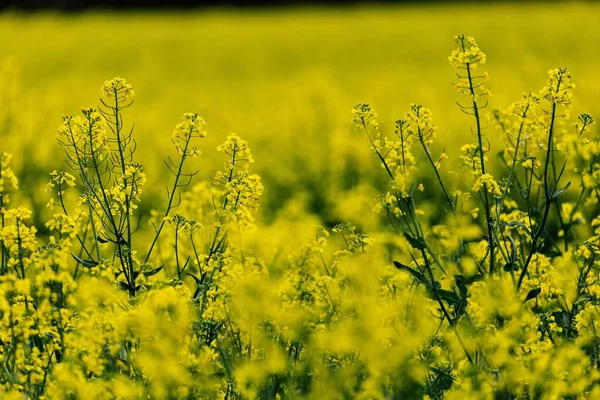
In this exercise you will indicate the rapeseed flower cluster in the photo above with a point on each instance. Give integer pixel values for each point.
(8, 179)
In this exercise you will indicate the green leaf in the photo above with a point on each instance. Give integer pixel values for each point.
(197, 293)
(460, 308)
(195, 278)
(468, 279)
(447, 295)
(153, 272)
(101, 240)
(559, 192)
(416, 244)
(123, 354)
(85, 263)
(419, 277)
(533, 293)
(463, 289)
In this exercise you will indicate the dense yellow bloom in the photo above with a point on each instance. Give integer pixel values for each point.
(471, 158)
(191, 126)
(61, 179)
(84, 135)
(525, 108)
(465, 60)
(63, 224)
(420, 123)
(559, 88)
(238, 150)
(117, 89)
(491, 184)
(363, 115)
(530, 163)
(467, 53)
(8, 179)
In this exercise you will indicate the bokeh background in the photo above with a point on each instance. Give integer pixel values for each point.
(284, 78)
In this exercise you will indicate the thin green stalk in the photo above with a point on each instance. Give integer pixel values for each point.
(437, 173)
(20, 249)
(548, 198)
(381, 158)
(171, 197)
(3, 249)
(110, 216)
(121, 148)
(510, 177)
(451, 321)
(176, 248)
(486, 202)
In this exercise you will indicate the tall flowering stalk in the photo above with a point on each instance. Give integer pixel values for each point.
(190, 127)
(112, 181)
(518, 134)
(420, 125)
(558, 92)
(8, 181)
(466, 59)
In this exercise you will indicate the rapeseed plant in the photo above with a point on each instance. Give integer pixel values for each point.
(491, 293)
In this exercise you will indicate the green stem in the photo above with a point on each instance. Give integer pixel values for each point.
(171, 197)
(548, 198)
(437, 173)
(486, 202)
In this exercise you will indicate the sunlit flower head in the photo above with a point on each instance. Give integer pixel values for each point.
(117, 89)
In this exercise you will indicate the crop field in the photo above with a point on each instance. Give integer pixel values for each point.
(375, 202)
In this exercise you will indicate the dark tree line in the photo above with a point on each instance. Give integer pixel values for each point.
(80, 5)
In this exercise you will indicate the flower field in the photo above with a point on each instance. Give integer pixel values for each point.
(403, 211)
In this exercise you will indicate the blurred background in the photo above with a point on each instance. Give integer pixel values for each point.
(283, 78)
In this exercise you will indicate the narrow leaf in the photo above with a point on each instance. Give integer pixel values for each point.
(559, 192)
(448, 296)
(85, 263)
(419, 277)
(416, 244)
(195, 278)
(153, 272)
(533, 293)
(468, 279)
